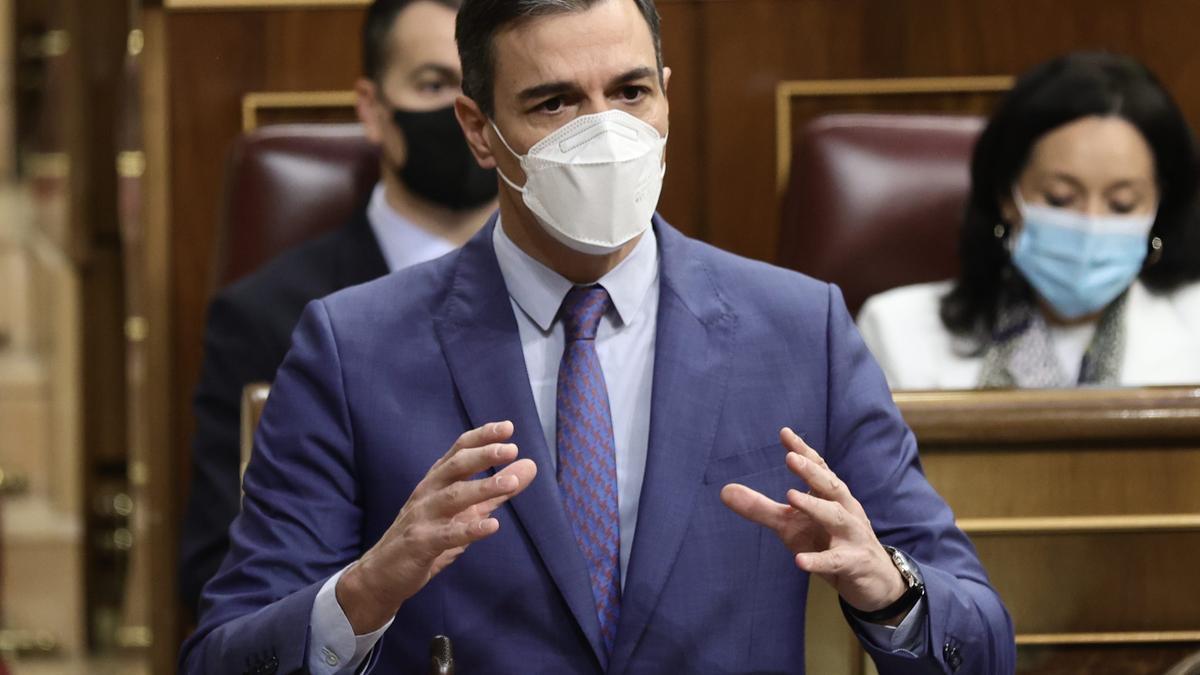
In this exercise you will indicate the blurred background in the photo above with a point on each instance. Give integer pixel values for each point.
(116, 123)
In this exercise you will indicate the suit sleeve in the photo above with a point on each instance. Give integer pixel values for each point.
(235, 354)
(300, 522)
(873, 450)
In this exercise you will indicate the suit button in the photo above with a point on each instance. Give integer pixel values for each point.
(951, 656)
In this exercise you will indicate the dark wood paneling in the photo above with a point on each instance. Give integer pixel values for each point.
(1058, 584)
(751, 45)
(1151, 659)
(215, 58)
(683, 54)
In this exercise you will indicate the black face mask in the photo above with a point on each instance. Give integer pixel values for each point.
(440, 166)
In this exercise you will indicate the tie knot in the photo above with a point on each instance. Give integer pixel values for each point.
(581, 311)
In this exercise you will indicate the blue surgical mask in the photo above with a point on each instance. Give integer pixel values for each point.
(1076, 262)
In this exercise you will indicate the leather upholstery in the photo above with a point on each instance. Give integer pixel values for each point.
(875, 201)
(289, 183)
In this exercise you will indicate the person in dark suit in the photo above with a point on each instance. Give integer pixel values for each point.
(432, 197)
(568, 445)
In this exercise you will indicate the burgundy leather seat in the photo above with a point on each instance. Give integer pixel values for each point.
(875, 201)
(288, 183)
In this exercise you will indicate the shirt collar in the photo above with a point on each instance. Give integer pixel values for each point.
(402, 243)
(539, 290)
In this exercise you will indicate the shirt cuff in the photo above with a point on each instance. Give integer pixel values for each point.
(333, 648)
(907, 639)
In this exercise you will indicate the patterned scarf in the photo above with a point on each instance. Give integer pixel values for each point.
(1021, 352)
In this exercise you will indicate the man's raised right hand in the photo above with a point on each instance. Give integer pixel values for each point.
(445, 513)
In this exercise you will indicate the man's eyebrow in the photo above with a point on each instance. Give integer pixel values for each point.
(635, 74)
(436, 69)
(549, 89)
(545, 90)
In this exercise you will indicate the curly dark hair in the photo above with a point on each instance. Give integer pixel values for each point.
(1058, 92)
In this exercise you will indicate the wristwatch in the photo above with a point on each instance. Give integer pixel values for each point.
(916, 590)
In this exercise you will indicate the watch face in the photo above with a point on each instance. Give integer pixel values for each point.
(907, 569)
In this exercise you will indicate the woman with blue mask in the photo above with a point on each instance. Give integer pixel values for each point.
(1080, 246)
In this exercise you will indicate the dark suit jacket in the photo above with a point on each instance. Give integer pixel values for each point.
(247, 335)
(384, 376)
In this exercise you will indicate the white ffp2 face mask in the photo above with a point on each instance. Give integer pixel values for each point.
(594, 182)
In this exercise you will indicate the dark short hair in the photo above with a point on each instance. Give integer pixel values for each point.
(377, 27)
(480, 20)
(1053, 94)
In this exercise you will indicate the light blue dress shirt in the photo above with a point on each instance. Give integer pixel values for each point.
(402, 243)
(625, 346)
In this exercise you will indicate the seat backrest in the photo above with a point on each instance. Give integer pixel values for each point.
(288, 183)
(875, 201)
(254, 399)
(1188, 666)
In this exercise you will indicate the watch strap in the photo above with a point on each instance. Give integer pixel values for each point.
(903, 604)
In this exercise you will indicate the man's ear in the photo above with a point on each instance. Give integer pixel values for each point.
(666, 77)
(366, 104)
(474, 125)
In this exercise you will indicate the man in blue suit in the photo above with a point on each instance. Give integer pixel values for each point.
(614, 498)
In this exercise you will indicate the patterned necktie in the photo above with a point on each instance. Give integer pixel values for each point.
(587, 465)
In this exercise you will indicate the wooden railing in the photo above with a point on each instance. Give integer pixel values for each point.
(1084, 507)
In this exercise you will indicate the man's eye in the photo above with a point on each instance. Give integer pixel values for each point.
(1122, 207)
(432, 87)
(551, 105)
(632, 93)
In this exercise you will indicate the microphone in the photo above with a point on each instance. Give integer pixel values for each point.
(441, 656)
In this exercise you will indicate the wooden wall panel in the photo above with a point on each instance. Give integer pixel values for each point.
(215, 58)
(1094, 583)
(1060, 481)
(751, 45)
(682, 53)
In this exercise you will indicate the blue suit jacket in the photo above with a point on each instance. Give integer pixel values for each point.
(382, 378)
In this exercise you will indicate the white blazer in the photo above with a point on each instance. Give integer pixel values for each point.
(907, 337)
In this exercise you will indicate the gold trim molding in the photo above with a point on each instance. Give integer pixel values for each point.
(790, 89)
(260, 4)
(1143, 637)
(317, 4)
(48, 165)
(255, 101)
(986, 419)
(131, 164)
(254, 397)
(1123, 524)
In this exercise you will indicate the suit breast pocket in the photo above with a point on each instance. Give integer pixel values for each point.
(742, 465)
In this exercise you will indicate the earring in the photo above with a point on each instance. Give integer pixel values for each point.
(999, 231)
(1156, 251)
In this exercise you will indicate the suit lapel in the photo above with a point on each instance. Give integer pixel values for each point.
(360, 259)
(479, 337)
(692, 345)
